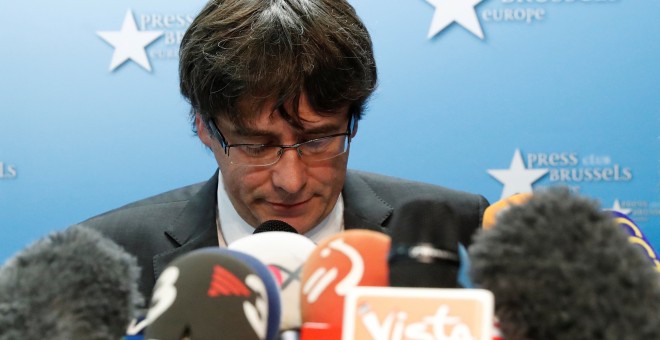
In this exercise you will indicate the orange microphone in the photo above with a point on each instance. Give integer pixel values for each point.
(339, 263)
(493, 211)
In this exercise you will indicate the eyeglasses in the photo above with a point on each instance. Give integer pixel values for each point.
(314, 150)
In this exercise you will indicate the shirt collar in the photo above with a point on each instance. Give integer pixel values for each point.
(232, 227)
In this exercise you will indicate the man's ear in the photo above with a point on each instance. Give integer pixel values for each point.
(202, 131)
(355, 129)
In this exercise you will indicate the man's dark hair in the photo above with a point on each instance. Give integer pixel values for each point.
(251, 51)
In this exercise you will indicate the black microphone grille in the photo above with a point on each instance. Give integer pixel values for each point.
(275, 225)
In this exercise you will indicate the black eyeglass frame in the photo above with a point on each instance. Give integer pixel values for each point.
(210, 123)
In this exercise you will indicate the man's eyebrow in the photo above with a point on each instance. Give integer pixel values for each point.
(323, 129)
(246, 131)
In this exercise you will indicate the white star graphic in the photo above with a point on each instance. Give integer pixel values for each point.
(460, 11)
(617, 207)
(517, 179)
(129, 43)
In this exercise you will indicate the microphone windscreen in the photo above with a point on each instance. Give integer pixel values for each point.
(73, 284)
(210, 293)
(339, 263)
(275, 225)
(284, 254)
(561, 269)
(424, 250)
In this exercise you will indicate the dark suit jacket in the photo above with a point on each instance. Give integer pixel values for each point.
(158, 229)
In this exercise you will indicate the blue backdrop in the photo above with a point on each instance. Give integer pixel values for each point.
(490, 96)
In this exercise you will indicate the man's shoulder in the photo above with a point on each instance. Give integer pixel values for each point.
(363, 190)
(174, 196)
(161, 207)
(397, 189)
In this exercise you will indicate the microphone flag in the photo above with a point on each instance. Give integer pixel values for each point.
(418, 313)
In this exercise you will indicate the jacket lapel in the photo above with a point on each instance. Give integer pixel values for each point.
(194, 228)
(363, 208)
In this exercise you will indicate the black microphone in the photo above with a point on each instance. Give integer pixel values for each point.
(424, 253)
(214, 293)
(73, 284)
(274, 225)
(560, 268)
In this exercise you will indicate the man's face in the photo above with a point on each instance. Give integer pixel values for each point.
(291, 190)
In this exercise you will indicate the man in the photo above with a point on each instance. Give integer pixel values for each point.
(277, 88)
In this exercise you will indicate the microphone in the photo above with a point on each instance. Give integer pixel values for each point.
(274, 225)
(284, 253)
(494, 210)
(273, 292)
(339, 263)
(212, 292)
(72, 284)
(424, 253)
(635, 236)
(560, 268)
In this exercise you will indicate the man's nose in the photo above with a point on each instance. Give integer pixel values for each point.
(290, 172)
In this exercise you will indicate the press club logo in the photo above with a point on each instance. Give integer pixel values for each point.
(470, 14)
(641, 210)
(566, 168)
(145, 37)
(7, 171)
